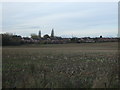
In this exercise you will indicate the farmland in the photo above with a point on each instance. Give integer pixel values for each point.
(83, 65)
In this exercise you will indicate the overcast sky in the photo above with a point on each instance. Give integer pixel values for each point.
(68, 19)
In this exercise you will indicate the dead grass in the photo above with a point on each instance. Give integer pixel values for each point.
(86, 65)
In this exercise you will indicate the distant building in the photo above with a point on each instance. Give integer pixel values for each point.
(46, 36)
(100, 36)
(39, 34)
(52, 33)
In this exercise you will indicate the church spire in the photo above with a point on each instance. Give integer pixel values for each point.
(39, 34)
(52, 33)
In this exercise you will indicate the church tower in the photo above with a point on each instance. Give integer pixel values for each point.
(39, 34)
(52, 33)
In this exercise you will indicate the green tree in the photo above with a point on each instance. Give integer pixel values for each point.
(34, 36)
(46, 36)
(10, 39)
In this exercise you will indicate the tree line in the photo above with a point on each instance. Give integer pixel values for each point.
(10, 39)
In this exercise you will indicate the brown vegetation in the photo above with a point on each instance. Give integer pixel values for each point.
(85, 65)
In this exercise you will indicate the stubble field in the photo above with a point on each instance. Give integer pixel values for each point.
(84, 65)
